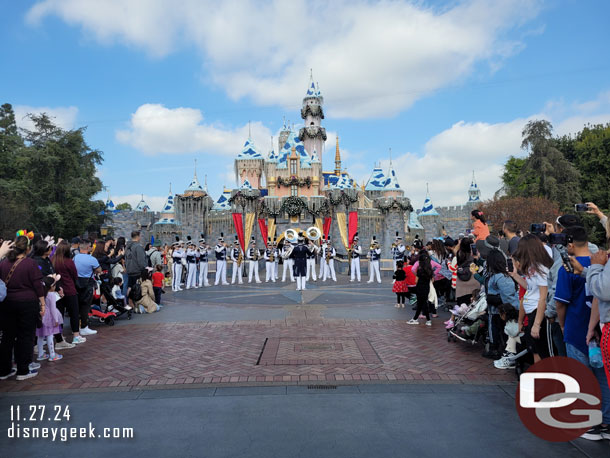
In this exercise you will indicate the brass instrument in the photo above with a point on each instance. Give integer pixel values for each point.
(291, 235)
(394, 245)
(240, 259)
(329, 251)
(256, 254)
(286, 254)
(313, 233)
(272, 255)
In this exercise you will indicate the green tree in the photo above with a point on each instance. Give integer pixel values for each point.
(124, 206)
(545, 171)
(592, 159)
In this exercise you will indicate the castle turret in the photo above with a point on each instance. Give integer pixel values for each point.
(249, 165)
(430, 218)
(195, 189)
(313, 135)
(337, 159)
(474, 193)
(392, 188)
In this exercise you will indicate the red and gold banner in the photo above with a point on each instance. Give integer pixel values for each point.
(327, 222)
(262, 224)
(238, 222)
(352, 227)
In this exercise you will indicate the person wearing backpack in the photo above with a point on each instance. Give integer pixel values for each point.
(465, 282)
(135, 260)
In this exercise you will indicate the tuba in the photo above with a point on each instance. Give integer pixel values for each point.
(291, 235)
(313, 233)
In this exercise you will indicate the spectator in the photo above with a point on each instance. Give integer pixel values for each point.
(534, 261)
(465, 282)
(18, 315)
(157, 282)
(425, 275)
(147, 303)
(5, 248)
(574, 303)
(135, 260)
(155, 256)
(104, 253)
(479, 225)
(510, 228)
(75, 243)
(41, 254)
(86, 267)
(603, 219)
(64, 266)
(52, 321)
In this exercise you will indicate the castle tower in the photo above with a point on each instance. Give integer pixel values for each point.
(337, 159)
(249, 165)
(195, 189)
(474, 193)
(429, 218)
(313, 135)
(392, 188)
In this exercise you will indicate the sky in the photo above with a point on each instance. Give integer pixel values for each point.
(443, 88)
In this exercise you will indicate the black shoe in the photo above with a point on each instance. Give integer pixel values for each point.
(595, 433)
(606, 432)
(492, 354)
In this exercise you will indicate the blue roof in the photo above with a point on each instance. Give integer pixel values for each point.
(195, 185)
(246, 185)
(142, 206)
(223, 201)
(249, 151)
(414, 221)
(168, 207)
(311, 90)
(392, 182)
(293, 140)
(377, 181)
(167, 221)
(428, 208)
(343, 181)
(272, 157)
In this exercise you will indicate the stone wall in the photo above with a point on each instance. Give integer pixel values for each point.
(122, 223)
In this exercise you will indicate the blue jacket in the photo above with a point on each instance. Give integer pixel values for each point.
(504, 286)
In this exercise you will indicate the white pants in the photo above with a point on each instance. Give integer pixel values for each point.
(288, 263)
(203, 274)
(191, 277)
(221, 272)
(355, 266)
(311, 269)
(276, 269)
(237, 272)
(253, 269)
(329, 270)
(270, 271)
(176, 276)
(322, 264)
(374, 271)
(301, 283)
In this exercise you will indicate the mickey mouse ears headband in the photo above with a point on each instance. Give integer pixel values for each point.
(25, 233)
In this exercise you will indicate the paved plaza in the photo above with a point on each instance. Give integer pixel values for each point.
(265, 371)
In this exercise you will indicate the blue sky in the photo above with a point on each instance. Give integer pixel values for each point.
(447, 86)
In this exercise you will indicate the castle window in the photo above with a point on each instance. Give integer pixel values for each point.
(294, 190)
(293, 166)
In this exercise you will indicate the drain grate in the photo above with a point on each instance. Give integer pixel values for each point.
(321, 387)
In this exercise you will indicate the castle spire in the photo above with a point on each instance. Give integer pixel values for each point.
(337, 158)
(205, 183)
(474, 193)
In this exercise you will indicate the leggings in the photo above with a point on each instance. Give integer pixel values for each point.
(605, 346)
(401, 298)
(50, 346)
(423, 290)
(69, 304)
(83, 312)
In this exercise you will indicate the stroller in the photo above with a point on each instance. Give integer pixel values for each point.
(470, 323)
(113, 308)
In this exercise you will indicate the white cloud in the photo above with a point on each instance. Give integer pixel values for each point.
(64, 117)
(450, 156)
(155, 129)
(375, 58)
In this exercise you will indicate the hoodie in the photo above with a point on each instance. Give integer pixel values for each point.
(135, 258)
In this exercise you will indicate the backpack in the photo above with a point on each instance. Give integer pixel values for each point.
(136, 291)
(463, 270)
(148, 261)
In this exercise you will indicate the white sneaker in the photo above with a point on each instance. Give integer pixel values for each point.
(78, 340)
(28, 375)
(504, 363)
(35, 366)
(428, 323)
(412, 321)
(87, 332)
(64, 345)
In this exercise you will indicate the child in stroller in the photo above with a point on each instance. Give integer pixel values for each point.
(113, 307)
(469, 321)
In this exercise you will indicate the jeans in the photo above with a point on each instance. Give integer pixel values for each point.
(600, 374)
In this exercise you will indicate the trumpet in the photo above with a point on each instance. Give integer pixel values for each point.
(394, 245)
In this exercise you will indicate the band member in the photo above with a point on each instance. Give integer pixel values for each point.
(288, 262)
(299, 255)
(311, 260)
(355, 261)
(253, 256)
(276, 268)
(177, 256)
(322, 263)
(328, 257)
(270, 258)
(221, 261)
(204, 252)
(398, 250)
(374, 257)
(237, 257)
(191, 265)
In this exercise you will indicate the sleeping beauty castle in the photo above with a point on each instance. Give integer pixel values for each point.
(287, 188)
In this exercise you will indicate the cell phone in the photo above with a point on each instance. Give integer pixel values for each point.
(567, 265)
(581, 207)
(537, 228)
(558, 239)
(473, 249)
(510, 264)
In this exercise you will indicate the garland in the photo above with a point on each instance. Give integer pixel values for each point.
(314, 110)
(393, 204)
(322, 210)
(300, 182)
(312, 132)
(242, 198)
(343, 198)
(293, 205)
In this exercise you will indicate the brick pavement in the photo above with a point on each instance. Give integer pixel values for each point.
(303, 347)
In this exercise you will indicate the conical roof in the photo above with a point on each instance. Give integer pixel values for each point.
(377, 181)
(249, 151)
(142, 206)
(392, 182)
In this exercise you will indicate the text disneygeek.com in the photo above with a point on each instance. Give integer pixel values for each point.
(25, 423)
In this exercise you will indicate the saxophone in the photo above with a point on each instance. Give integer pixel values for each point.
(240, 259)
(271, 255)
(255, 254)
(329, 251)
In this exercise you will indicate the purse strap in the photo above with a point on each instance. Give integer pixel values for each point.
(10, 273)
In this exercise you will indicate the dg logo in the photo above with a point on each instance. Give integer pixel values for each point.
(559, 399)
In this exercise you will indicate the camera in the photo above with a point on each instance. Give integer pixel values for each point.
(510, 265)
(537, 228)
(567, 265)
(581, 207)
(473, 249)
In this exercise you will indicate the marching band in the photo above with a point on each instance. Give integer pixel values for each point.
(299, 253)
